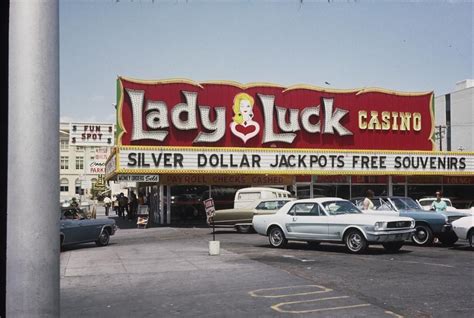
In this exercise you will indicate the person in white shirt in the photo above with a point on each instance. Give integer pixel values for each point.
(368, 204)
(107, 204)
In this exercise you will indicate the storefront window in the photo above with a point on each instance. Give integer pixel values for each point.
(303, 191)
(186, 203)
(461, 195)
(331, 190)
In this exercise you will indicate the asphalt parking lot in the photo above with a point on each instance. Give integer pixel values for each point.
(167, 272)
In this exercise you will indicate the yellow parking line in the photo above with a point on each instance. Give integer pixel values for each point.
(277, 306)
(393, 314)
(255, 293)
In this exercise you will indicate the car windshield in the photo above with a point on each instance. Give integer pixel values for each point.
(340, 207)
(271, 205)
(426, 202)
(73, 214)
(405, 204)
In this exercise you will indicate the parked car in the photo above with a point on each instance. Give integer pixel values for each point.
(76, 228)
(426, 203)
(333, 220)
(429, 224)
(464, 228)
(241, 218)
(246, 197)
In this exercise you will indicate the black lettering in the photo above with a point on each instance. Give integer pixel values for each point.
(323, 161)
(433, 162)
(132, 162)
(213, 160)
(462, 163)
(406, 162)
(398, 164)
(283, 162)
(142, 161)
(301, 161)
(340, 161)
(355, 160)
(275, 164)
(223, 164)
(178, 160)
(156, 160)
(255, 161)
(167, 160)
(382, 162)
(290, 161)
(442, 163)
(313, 160)
(202, 160)
(364, 162)
(454, 163)
(333, 157)
(373, 162)
(244, 161)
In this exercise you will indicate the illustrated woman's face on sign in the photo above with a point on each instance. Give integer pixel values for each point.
(245, 108)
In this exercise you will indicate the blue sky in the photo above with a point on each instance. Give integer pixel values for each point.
(407, 46)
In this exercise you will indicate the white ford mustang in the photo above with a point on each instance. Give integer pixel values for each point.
(333, 220)
(464, 228)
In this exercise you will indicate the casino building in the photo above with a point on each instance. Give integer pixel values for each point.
(186, 141)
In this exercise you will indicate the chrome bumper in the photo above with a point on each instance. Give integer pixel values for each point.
(389, 236)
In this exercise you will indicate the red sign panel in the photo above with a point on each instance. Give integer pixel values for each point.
(225, 114)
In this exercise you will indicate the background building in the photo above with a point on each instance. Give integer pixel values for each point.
(82, 162)
(454, 115)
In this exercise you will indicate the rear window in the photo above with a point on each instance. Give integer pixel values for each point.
(249, 196)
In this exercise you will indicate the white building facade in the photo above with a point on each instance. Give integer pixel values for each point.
(82, 160)
(454, 115)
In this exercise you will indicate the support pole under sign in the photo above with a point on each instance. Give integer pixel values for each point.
(214, 245)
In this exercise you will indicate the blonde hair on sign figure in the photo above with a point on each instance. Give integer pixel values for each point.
(238, 118)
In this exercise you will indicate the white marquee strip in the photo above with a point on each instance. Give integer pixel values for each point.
(208, 160)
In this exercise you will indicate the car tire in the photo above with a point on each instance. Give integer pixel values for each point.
(448, 239)
(243, 228)
(470, 237)
(423, 236)
(392, 246)
(277, 238)
(313, 244)
(355, 242)
(103, 239)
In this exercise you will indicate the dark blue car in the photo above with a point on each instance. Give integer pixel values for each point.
(76, 228)
(428, 224)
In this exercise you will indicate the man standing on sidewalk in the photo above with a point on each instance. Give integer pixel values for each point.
(107, 204)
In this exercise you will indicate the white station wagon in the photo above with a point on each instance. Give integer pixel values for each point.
(333, 220)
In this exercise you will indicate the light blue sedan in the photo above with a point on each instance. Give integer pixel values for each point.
(76, 228)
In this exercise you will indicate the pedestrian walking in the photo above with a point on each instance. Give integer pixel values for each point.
(133, 205)
(107, 205)
(123, 205)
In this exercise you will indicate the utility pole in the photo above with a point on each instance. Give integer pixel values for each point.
(439, 135)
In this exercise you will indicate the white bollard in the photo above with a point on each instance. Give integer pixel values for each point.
(214, 247)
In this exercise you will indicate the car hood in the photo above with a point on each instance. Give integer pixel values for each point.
(368, 219)
(465, 222)
(423, 215)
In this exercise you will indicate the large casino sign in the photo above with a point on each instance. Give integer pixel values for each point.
(224, 114)
(184, 127)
